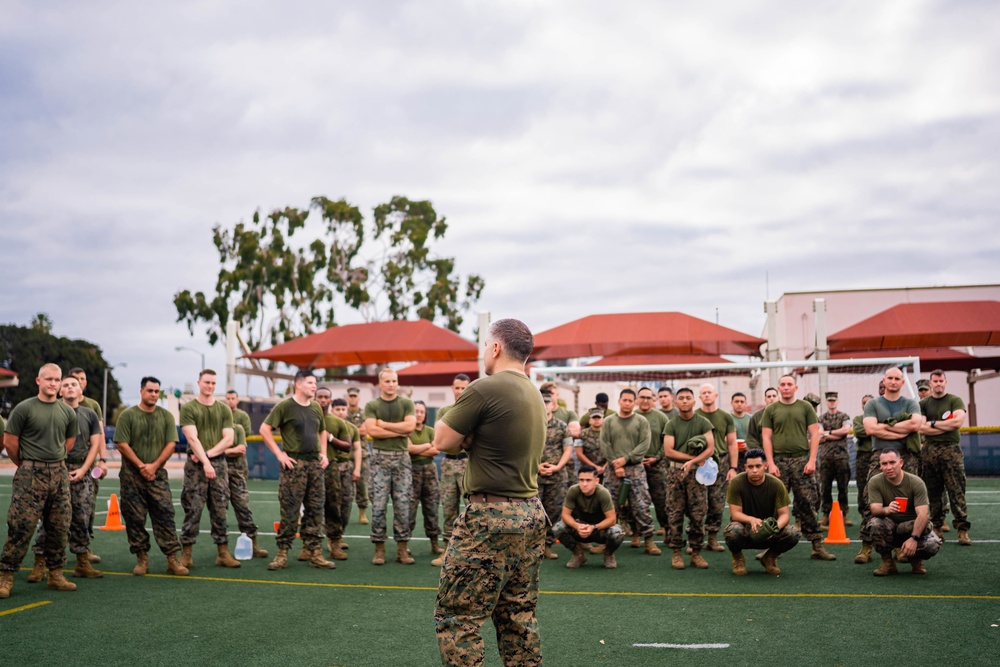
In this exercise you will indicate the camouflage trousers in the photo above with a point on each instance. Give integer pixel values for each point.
(638, 497)
(911, 463)
(302, 488)
(333, 496)
(686, 498)
(656, 480)
(452, 475)
(93, 510)
(716, 503)
(611, 538)
(834, 466)
(490, 571)
(346, 470)
(38, 493)
(861, 462)
(197, 492)
(239, 496)
(361, 486)
(552, 496)
(805, 491)
(888, 535)
(140, 497)
(427, 495)
(81, 501)
(739, 537)
(943, 469)
(392, 476)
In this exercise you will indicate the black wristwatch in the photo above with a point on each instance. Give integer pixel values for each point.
(915, 538)
(733, 468)
(933, 421)
(103, 460)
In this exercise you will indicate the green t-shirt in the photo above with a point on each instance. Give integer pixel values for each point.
(585, 417)
(883, 409)
(935, 409)
(684, 430)
(864, 440)
(625, 437)
(506, 416)
(352, 435)
(42, 429)
(882, 491)
(424, 436)
(300, 426)
(789, 424)
(762, 501)
(341, 430)
(588, 509)
(722, 425)
(565, 415)
(671, 413)
(741, 424)
(754, 439)
(243, 419)
(657, 422)
(393, 411)
(208, 419)
(89, 425)
(441, 413)
(146, 433)
(93, 405)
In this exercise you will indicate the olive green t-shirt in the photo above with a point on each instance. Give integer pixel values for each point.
(393, 411)
(146, 433)
(89, 425)
(506, 416)
(441, 413)
(424, 436)
(341, 430)
(671, 413)
(753, 430)
(882, 491)
(627, 437)
(565, 415)
(588, 509)
(789, 424)
(93, 405)
(42, 429)
(934, 409)
(722, 425)
(762, 501)
(300, 426)
(657, 422)
(683, 430)
(861, 435)
(208, 419)
(243, 419)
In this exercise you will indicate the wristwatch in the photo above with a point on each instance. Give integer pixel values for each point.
(915, 538)
(103, 460)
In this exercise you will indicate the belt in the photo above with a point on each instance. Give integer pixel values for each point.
(42, 464)
(463, 455)
(491, 498)
(677, 464)
(421, 462)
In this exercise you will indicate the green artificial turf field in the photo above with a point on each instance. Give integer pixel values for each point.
(815, 613)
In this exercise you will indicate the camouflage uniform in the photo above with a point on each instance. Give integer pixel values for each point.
(81, 500)
(357, 418)
(943, 468)
(40, 491)
(333, 501)
(862, 459)
(611, 537)
(391, 474)
(805, 492)
(739, 537)
(887, 535)
(141, 496)
(346, 470)
(497, 578)
(834, 463)
(301, 487)
(716, 497)
(427, 496)
(592, 446)
(685, 497)
(552, 489)
(638, 497)
(911, 463)
(659, 494)
(197, 492)
(452, 474)
(237, 472)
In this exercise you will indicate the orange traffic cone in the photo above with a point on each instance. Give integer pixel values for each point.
(837, 535)
(114, 521)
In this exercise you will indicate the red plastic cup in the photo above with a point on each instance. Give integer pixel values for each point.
(902, 502)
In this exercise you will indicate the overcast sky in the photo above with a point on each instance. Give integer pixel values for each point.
(589, 156)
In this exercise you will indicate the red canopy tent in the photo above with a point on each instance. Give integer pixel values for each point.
(944, 358)
(642, 333)
(653, 360)
(923, 325)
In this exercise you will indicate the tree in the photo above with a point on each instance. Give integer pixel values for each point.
(41, 322)
(281, 288)
(25, 349)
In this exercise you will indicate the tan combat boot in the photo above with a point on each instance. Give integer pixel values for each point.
(343, 544)
(141, 564)
(609, 561)
(305, 554)
(336, 553)
(318, 561)
(739, 565)
(224, 558)
(435, 547)
(964, 539)
(865, 555)
(819, 553)
(403, 554)
(257, 551)
(713, 543)
(677, 560)
(379, 557)
(93, 558)
(549, 553)
(6, 583)
(917, 566)
(57, 582)
(187, 560)
(651, 547)
(85, 569)
(887, 567)
(38, 572)
(174, 566)
(698, 561)
(439, 561)
(280, 561)
(770, 563)
(578, 558)
(362, 519)
(945, 528)
(636, 541)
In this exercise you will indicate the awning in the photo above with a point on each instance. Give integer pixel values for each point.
(924, 325)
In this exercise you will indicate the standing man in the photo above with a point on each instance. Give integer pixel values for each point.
(755, 439)
(558, 451)
(426, 493)
(790, 432)
(588, 451)
(492, 562)
(389, 420)
(588, 515)
(206, 474)
(942, 461)
(146, 437)
(727, 455)
(834, 459)
(102, 452)
(39, 432)
(338, 436)
(349, 465)
(625, 440)
(303, 458)
(237, 471)
(862, 460)
(356, 416)
(452, 472)
(653, 461)
(688, 442)
(666, 396)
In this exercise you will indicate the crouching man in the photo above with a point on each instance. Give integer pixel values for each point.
(588, 516)
(758, 506)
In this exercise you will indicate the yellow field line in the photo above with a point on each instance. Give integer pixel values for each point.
(25, 607)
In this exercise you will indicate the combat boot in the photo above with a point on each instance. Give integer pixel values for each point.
(819, 553)
(578, 558)
(93, 558)
(305, 554)
(343, 544)
(945, 528)
(848, 522)
(435, 547)
(677, 560)
(362, 519)
(636, 541)
(964, 539)
(174, 566)
(379, 557)
(57, 582)
(257, 551)
(6, 583)
(224, 558)
(770, 563)
(318, 561)
(887, 567)
(651, 547)
(597, 549)
(917, 566)
(938, 532)
(609, 561)
(187, 560)
(141, 564)
(38, 572)
(739, 565)
(336, 553)
(403, 554)
(280, 561)
(865, 555)
(549, 553)
(438, 562)
(713, 543)
(85, 569)
(697, 560)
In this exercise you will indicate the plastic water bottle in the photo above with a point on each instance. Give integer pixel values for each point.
(244, 547)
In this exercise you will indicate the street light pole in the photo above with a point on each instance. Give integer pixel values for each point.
(105, 402)
(181, 348)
